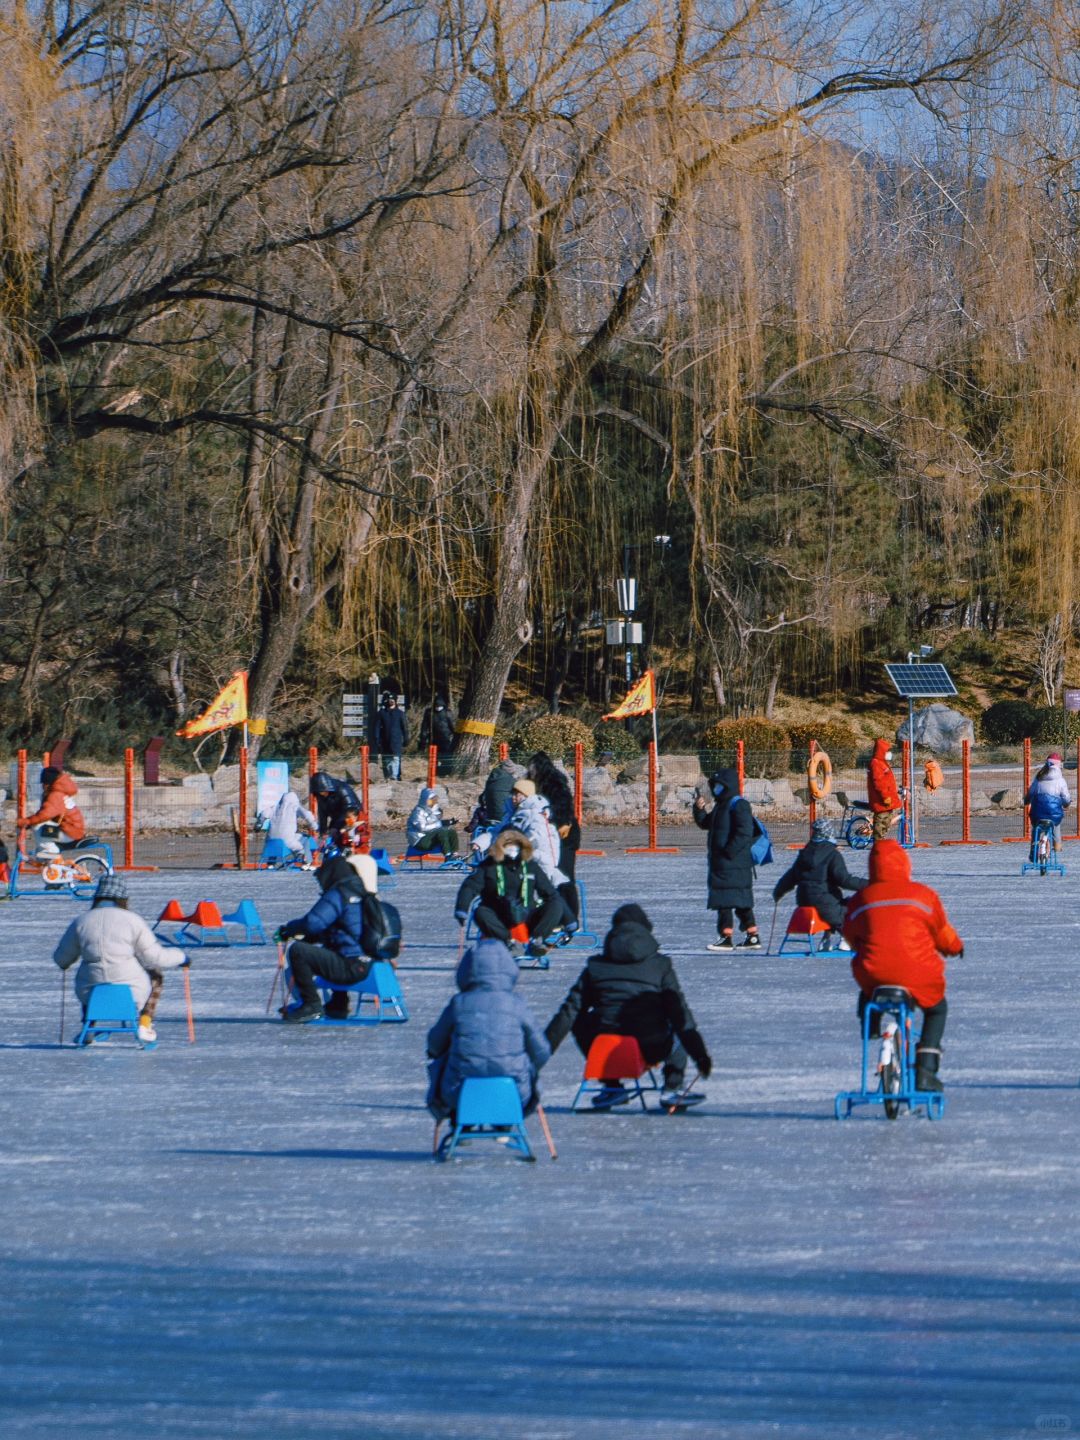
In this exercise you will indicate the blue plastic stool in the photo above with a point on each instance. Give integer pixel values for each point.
(380, 986)
(111, 1010)
(890, 1000)
(385, 866)
(582, 936)
(488, 1109)
(246, 915)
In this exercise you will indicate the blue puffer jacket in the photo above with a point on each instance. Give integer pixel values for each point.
(336, 920)
(486, 1029)
(1049, 796)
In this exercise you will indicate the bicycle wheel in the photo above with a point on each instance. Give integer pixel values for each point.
(1042, 850)
(860, 833)
(86, 871)
(889, 1070)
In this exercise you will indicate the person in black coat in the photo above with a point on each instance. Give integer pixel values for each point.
(730, 824)
(335, 801)
(391, 737)
(819, 878)
(512, 891)
(553, 785)
(632, 989)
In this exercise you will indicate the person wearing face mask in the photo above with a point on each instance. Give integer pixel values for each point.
(885, 803)
(730, 824)
(514, 894)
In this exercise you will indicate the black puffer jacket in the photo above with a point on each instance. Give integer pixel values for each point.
(818, 871)
(512, 888)
(730, 824)
(631, 989)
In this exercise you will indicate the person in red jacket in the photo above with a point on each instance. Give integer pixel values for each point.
(57, 808)
(900, 933)
(881, 791)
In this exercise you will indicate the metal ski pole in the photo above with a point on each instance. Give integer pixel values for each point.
(460, 942)
(547, 1131)
(684, 1092)
(772, 927)
(63, 997)
(278, 973)
(187, 1001)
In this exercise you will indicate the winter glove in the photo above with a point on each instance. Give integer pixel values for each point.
(185, 963)
(695, 1048)
(289, 931)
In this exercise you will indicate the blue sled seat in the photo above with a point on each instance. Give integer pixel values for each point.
(111, 1010)
(488, 1109)
(380, 986)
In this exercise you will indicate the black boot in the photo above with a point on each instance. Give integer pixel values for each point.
(926, 1068)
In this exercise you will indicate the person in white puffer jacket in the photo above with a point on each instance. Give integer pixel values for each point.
(285, 821)
(117, 947)
(531, 815)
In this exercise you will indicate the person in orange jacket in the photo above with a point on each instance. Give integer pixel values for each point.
(900, 933)
(57, 808)
(885, 803)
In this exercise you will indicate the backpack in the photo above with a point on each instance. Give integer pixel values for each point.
(381, 939)
(934, 777)
(761, 845)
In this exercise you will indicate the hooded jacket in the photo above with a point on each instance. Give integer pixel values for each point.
(881, 789)
(1048, 798)
(899, 929)
(533, 818)
(336, 920)
(59, 808)
(116, 947)
(391, 730)
(497, 790)
(285, 819)
(425, 817)
(818, 870)
(730, 824)
(630, 989)
(486, 1029)
(512, 888)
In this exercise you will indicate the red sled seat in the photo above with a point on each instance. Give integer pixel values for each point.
(613, 1059)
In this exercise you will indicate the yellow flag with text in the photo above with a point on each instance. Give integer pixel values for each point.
(640, 701)
(230, 708)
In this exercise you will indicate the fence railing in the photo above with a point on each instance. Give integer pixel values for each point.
(204, 820)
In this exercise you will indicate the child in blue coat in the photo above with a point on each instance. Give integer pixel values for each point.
(1048, 797)
(485, 1030)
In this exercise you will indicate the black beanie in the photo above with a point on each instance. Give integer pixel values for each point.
(631, 915)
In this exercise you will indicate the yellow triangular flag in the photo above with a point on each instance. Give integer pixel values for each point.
(230, 708)
(640, 701)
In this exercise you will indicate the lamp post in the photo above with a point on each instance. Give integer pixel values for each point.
(914, 659)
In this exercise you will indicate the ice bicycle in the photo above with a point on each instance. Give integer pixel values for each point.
(1042, 856)
(892, 1084)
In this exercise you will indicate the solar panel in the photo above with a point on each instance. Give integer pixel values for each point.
(920, 682)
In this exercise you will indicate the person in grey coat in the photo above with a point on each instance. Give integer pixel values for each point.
(730, 824)
(485, 1030)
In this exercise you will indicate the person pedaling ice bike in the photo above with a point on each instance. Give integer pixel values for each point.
(117, 947)
(512, 891)
(901, 934)
(59, 817)
(1047, 799)
(819, 878)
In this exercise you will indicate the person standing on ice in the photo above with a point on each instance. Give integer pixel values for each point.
(730, 824)
(819, 878)
(901, 934)
(881, 791)
(117, 947)
(632, 989)
(1048, 797)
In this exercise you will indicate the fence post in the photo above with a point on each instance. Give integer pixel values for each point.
(1077, 797)
(20, 794)
(740, 763)
(652, 848)
(504, 750)
(242, 853)
(965, 800)
(129, 808)
(1027, 787)
(813, 802)
(579, 780)
(432, 766)
(312, 766)
(365, 782)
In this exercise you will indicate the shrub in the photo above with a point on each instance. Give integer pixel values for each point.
(1007, 722)
(1048, 726)
(615, 738)
(767, 748)
(557, 734)
(839, 742)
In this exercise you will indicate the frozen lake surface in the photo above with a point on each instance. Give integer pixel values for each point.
(247, 1236)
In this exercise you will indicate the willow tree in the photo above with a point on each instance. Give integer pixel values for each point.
(610, 126)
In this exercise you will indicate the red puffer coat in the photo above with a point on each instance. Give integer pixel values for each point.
(899, 929)
(59, 808)
(881, 789)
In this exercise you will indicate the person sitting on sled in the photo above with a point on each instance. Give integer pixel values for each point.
(901, 934)
(819, 878)
(1048, 797)
(517, 900)
(485, 1030)
(117, 947)
(426, 830)
(329, 940)
(632, 989)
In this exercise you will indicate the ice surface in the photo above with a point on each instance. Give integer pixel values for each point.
(247, 1237)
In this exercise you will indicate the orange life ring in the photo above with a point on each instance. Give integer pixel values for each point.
(819, 774)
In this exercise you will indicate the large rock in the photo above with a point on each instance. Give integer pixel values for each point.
(940, 730)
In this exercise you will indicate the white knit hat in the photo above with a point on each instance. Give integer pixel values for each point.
(368, 871)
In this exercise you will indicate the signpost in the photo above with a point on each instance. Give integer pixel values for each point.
(354, 715)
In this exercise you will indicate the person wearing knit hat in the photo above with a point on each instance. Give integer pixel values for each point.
(819, 877)
(426, 830)
(632, 989)
(1048, 798)
(116, 947)
(531, 815)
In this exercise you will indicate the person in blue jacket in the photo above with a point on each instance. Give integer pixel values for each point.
(1048, 797)
(331, 946)
(485, 1030)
